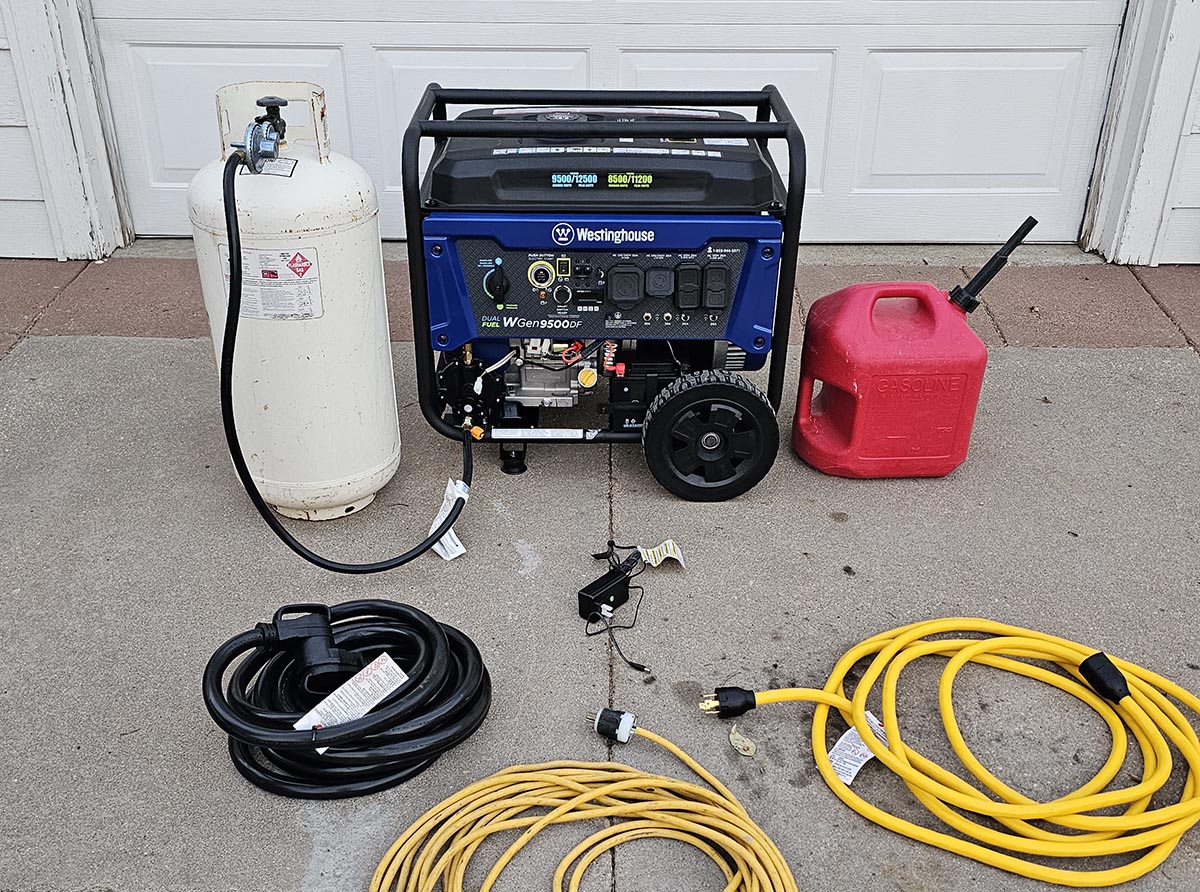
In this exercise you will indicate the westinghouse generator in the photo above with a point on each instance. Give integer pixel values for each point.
(636, 249)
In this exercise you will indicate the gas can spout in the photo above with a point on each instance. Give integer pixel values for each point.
(967, 296)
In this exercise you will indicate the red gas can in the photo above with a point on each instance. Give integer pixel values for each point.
(899, 372)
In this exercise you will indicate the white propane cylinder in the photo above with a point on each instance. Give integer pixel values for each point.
(313, 392)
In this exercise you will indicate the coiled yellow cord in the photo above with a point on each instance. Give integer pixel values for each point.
(434, 852)
(1153, 719)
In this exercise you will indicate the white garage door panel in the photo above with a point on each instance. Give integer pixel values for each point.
(1010, 113)
(716, 13)
(403, 72)
(804, 77)
(924, 137)
(164, 98)
(915, 132)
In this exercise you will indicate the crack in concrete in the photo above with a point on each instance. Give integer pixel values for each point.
(990, 315)
(612, 669)
(1166, 311)
(37, 316)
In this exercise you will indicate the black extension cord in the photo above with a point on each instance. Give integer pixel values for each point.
(290, 664)
(228, 344)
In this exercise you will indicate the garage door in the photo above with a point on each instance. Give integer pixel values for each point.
(927, 120)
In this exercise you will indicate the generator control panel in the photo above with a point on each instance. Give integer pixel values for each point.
(615, 294)
(660, 277)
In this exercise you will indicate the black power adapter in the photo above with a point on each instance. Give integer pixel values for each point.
(600, 597)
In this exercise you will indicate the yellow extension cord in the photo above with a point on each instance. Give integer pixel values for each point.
(434, 852)
(1154, 720)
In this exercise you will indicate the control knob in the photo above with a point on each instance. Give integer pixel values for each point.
(495, 282)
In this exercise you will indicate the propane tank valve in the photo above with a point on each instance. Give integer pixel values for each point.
(264, 134)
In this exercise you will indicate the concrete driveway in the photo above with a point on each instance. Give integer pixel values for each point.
(128, 552)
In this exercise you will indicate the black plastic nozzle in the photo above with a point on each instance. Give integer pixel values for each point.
(967, 296)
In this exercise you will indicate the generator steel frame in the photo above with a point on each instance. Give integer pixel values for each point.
(773, 121)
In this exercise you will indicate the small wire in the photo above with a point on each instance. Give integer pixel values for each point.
(611, 629)
(614, 560)
(632, 664)
(591, 633)
(674, 358)
(584, 354)
(500, 362)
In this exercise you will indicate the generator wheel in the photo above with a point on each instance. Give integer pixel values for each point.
(710, 436)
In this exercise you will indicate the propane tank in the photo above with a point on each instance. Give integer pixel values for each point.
(313, 396)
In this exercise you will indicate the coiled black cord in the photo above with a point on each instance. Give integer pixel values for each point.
(290, 664)
(228, 343)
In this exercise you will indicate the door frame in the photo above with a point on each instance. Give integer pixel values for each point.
(1152, 84)
(59, 70)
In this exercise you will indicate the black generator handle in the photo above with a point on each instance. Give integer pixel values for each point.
(773, 121)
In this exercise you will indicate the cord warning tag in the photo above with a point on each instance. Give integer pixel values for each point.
(659, 553)
(353, 699)
(851, 752)
(450, 546)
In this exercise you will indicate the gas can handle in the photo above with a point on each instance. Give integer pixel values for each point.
(804, 400)
(926, 292)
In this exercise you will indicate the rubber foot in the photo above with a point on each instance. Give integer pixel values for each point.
(512, 461)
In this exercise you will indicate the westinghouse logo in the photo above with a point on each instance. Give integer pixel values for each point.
(564, 234)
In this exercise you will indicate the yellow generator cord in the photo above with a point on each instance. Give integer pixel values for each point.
(434, 852)
(1078, 831)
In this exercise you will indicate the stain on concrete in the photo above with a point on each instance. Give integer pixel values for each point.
(531, 558)
(688, 692)
(345, 846)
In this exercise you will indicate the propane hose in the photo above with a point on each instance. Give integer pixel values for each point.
(434, 853)
(228, 345)
(288, 666)
(1128, 698)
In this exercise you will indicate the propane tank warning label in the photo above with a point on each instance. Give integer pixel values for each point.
(277, 284)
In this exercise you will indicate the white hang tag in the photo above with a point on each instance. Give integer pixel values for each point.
(450, 546)
(851, 752)
(659, 553)
(355, 697)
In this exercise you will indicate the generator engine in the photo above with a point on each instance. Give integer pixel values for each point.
(570, 254)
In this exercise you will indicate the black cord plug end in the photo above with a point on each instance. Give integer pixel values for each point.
(728, 703)
(307, 631)
(1103, 676)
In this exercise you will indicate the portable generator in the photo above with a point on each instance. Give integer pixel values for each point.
(638, 248)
